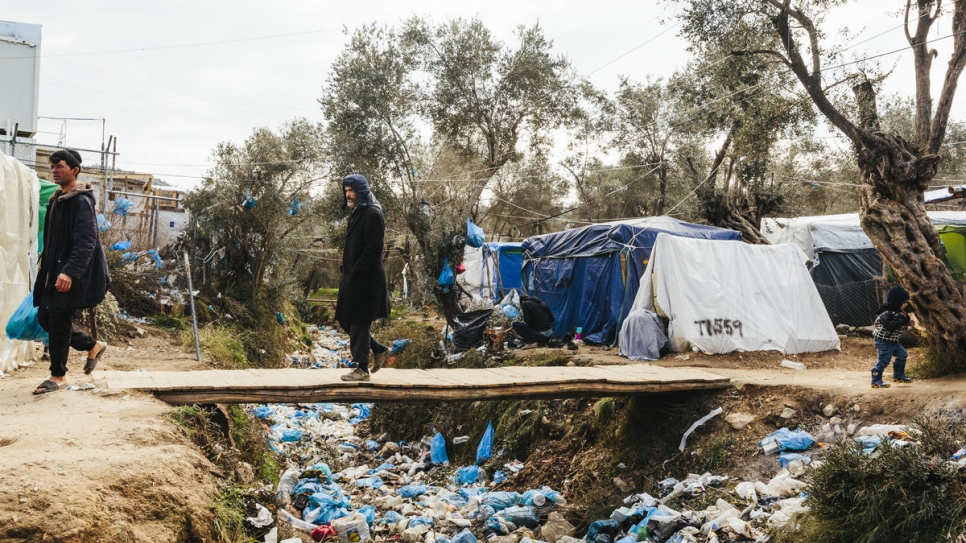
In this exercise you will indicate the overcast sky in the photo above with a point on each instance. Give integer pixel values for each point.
(174, 78)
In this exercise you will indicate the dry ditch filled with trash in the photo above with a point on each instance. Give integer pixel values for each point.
(710, 467)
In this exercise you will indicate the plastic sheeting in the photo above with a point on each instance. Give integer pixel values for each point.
(642, 336)
(19, 219)
(721, 297)
(845, 264)
(589, 276)
(492, 270)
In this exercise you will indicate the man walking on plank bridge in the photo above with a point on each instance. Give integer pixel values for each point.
(363, 294)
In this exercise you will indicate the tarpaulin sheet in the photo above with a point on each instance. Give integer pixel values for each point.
(589, 276)
(492, 270)
(722, 296)
(19, 216)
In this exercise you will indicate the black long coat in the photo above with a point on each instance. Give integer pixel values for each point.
(72, 246)
(363, 295)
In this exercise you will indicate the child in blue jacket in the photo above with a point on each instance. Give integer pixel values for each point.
(888, 328)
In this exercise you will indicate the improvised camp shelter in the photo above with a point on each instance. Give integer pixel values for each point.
(19, 217)
(492, 270)
(846, 267)
(724, 296)
(589, 275)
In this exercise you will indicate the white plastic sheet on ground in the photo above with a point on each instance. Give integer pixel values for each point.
(19, 211)
(724, 296)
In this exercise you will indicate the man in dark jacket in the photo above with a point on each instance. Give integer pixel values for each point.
(537, 325)
(363, 294)
(73, 271)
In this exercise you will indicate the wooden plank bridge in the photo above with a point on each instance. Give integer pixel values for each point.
(403, 385)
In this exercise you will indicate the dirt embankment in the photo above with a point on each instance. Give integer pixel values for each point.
(100, 465)
(105, 465)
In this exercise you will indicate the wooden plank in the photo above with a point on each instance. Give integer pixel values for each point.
(457, 384)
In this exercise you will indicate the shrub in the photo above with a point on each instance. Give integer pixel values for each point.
(893, 494)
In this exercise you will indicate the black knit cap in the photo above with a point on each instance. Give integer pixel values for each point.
(69, 156)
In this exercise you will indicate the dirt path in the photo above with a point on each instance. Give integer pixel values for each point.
(99, 465)
(107, 465)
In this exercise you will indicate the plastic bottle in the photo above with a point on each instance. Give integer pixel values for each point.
(296, 523)
(580, 333)
(460, 439)
(961, 453)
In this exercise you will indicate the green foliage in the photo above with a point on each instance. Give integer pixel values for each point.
(249, 259)
(891, 495)
(173, 321)
(220, 344)
(249, 438)
(481, 97)
(229, 509)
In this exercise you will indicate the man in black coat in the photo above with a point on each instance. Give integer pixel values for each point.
(73, 270)
(363, 294)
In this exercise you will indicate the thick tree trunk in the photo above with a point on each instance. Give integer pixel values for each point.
(892, 212)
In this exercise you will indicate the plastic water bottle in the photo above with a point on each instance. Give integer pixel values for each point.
(296, 523)
(961, 453)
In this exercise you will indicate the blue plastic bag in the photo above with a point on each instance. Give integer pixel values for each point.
(23, 324)
(102, 223)
(121, 246)
(467, 475)
(437, 451)
(249, 201)
(464, 536)
(411, 491)
(785, 458)
(153, 253)
(474, 234)
(788, 440)
(501, 500)
(122, 206)
(446, 277)
(294, 207)
(398, 345)
(485, 449)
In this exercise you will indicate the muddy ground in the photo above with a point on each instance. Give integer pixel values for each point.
(106, 465)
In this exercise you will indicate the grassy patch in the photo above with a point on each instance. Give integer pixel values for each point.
(224, 346)
(229, 509)
(174, 321)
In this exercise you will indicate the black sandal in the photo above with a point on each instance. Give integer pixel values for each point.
(92, 362)
(47, 386)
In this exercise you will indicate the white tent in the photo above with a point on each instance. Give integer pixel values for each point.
(19, 212)
(723, 296)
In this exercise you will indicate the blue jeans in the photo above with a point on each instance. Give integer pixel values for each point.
(887, 350)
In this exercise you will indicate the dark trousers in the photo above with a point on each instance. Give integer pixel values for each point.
(529, 335)
(360, 342)
(63, 336)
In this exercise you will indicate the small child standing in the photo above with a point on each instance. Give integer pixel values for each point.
(888, 329)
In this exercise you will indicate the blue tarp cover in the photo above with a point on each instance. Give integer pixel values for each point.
(579, 272)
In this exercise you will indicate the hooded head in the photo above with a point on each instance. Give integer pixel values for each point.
(360, 185)
(895, 298)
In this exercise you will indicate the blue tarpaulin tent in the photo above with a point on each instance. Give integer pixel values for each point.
(590, 275)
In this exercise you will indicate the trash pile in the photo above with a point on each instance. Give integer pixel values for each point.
(388, 491)
(409, 492)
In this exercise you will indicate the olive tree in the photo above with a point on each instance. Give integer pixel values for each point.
(895, 168)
